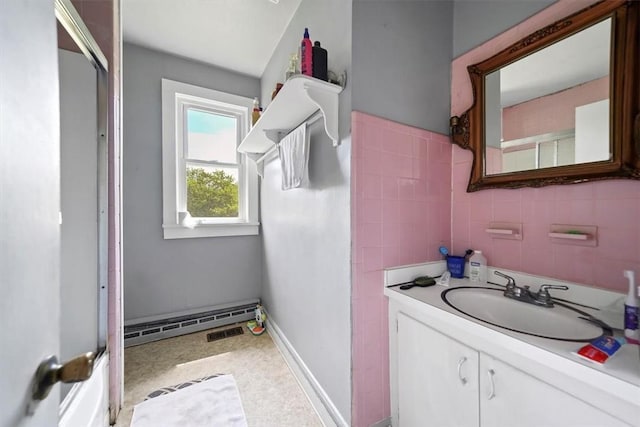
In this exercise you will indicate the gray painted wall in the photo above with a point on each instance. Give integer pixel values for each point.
(476, 21)
(165, 276)
(306, 231)
(402, 61)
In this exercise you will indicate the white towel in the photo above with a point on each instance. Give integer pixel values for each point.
(211, 403)
(294, 156)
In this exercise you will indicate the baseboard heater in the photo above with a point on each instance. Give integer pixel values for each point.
(140, 332)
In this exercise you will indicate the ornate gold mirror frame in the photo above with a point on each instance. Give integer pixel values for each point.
(468, 130)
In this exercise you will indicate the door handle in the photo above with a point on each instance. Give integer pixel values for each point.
(50, 372)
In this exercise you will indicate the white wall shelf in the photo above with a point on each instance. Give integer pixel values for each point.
(505, 230)
(300, 98)
(570, 236)
(581, 235)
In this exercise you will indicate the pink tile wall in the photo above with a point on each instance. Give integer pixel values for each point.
(613, 206)
(524, 119)
(401, 204)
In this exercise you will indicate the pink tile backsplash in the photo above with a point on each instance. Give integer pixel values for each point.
(613, 206)
(401, 210)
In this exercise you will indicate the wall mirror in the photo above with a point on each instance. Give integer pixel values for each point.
(560, 106)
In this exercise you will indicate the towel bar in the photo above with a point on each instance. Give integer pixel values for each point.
(309, 121)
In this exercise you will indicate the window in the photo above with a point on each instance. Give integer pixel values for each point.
(209, 189)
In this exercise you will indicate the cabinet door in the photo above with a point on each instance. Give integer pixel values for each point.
(509, 397)
(437, 378)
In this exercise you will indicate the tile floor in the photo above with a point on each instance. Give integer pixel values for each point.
(270, 394)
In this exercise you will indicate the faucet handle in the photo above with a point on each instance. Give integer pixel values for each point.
(545, 288)
(511, 282)
(544, 298)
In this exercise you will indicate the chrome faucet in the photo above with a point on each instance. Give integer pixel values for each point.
(523, 294)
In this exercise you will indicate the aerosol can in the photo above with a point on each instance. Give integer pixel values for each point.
(260, 316)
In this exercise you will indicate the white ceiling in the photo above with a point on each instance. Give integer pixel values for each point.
(577, 59)
(239, 35)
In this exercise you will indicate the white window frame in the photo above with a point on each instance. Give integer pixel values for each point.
(177, 223)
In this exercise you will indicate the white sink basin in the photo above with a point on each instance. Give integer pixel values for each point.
(490, 306)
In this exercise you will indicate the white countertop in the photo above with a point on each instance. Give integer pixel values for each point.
(619, 376)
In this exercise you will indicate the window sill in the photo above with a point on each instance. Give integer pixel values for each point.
(174, 231)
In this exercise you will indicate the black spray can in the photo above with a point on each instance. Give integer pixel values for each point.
(319, 62)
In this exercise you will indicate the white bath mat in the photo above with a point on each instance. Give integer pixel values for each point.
(211, 403)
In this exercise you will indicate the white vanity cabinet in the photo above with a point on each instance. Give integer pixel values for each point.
(510, 397)
(438, 381)
(437, 378)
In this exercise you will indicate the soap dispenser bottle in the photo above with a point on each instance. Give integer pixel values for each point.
(631, 332)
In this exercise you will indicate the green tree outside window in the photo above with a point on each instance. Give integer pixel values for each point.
(211, 194)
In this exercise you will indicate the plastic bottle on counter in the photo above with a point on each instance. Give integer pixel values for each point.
(319, 62)
(306, 55)
(478, 268)
(631, 332)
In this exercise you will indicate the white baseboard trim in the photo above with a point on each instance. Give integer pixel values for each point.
(328, 413)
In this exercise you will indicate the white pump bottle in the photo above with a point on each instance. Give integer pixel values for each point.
(478, 268)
